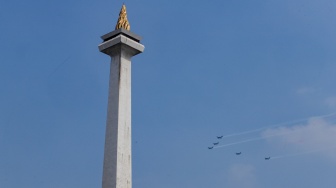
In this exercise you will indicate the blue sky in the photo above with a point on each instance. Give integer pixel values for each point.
(209, 69)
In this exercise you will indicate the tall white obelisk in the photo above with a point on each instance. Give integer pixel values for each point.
(121, 45)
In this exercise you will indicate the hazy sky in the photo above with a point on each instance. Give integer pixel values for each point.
(209, 69)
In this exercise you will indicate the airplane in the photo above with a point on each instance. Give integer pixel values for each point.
(216, 143)
(238, 153)
(210, 147)
(267, 158)
(219, 137)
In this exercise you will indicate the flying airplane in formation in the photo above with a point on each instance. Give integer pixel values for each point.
(216, 143)
(267, 158)
(238, 153)
(219, 137)
(210, 147)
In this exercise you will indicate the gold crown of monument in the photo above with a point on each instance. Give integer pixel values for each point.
(122, 21)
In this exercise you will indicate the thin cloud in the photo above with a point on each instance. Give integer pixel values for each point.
(305, 90)
(316, 135)
(331, 102)
(242, 176)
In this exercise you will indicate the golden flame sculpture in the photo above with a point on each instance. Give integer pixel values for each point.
(122, 21)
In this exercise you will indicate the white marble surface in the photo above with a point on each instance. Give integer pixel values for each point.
(117, 170)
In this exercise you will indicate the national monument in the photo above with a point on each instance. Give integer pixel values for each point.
(121, 45)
